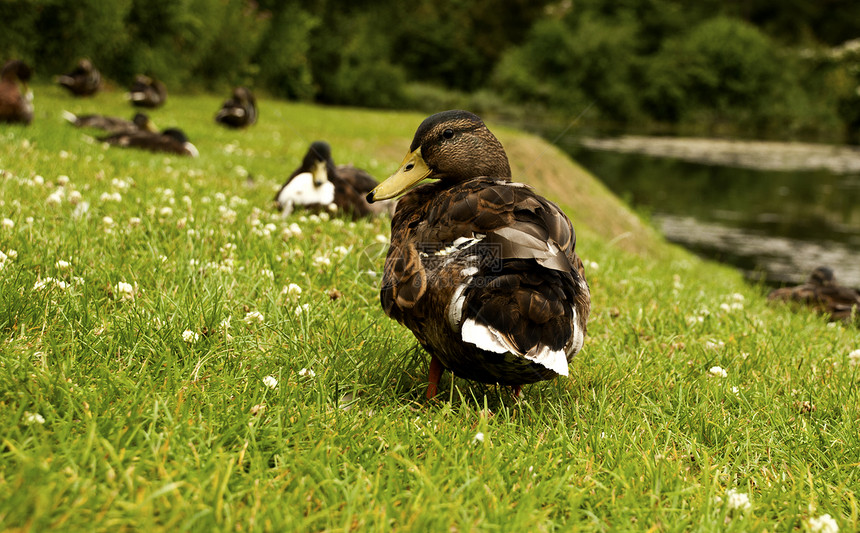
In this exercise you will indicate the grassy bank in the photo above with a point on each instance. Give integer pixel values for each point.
(157, 372)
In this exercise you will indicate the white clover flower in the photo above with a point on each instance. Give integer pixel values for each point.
(166, 211)
(8, 223)
(322, 260)
(270, 382)
(124, 291)
(134, 221)
(301, 309)
(341, 250)
(593, 265)
(736, 391)
(33, 418)
(738, 297)
(225, 323)
(738, 500)
(714, 345)
(854, 358)
(107, 221)
(693, 320)
(338, 223)
(12, 254)
(190, 336)
(267, 273)
(75, 197)
(380, 238)
(253, 317)
(43, 283)
(55, 198)
(291, 291)
(479, 437)
(4, 258)
(718, 371)
(38, 180)
(307, 373)
(824, 523)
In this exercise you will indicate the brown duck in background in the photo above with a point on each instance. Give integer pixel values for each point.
(319, 184)
(171, 140)
(147, 92)
(83, 80)
(240, 111)
(822, 293)
(115, 125)
(16, 100)
(481, 269)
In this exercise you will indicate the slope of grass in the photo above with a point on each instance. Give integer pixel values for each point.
(157, 372)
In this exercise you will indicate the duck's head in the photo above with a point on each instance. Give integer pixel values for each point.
(452, 146)
(317, 162)
(243, 94)
(822, 276)
(142, 121)
(16, 69)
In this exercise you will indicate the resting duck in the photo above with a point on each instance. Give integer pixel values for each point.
(318, 184)
(147, 92)
(171, 140)
(140, 121)
(16, 101)
(240, 111)
(480, 268)
(822, 293)
(84, 80)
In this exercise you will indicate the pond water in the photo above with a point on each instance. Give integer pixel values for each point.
(774, 225)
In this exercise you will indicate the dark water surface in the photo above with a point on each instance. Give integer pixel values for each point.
(773, 225)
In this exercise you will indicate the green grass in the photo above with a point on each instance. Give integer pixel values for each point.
(145, 431)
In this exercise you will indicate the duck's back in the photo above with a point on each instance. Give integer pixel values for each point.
(486, 276)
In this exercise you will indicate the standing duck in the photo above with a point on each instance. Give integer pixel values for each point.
(822, 293)
(319, 184)
(147, 92)
(83, 80)
(171, 140)
(115, 125)
(240, 111)
(480, 268)
(16, 100)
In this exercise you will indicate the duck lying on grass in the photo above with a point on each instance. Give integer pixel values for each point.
(147, 92)
(140, 121)
(240, 111)
(171, 140)
(822, 293)
(320, 185)
(480, 268)
(16, 100)
(83, 80)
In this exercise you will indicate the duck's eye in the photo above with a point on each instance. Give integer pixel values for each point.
(448, 134)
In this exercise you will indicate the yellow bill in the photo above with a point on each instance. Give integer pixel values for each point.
(412, 170)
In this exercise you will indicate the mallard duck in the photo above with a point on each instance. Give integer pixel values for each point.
(480, 268)
(318, 184)
(16, 100)
(140, 121)
(147, 92)
(240, 111)
(83, 80)
(171, 140)
(822, 293)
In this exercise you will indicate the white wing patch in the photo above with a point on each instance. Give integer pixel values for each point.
(302, 191)
(490, 339)
(485, 337)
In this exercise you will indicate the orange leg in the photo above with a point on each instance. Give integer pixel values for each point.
(436, 370)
